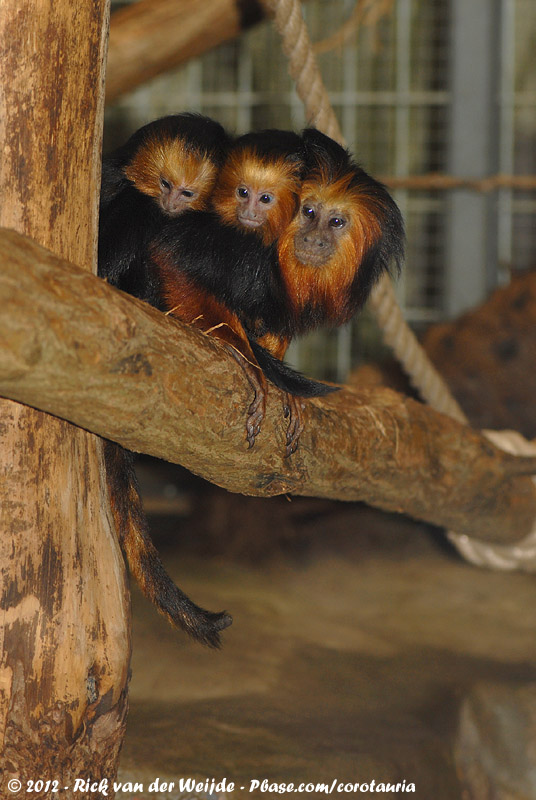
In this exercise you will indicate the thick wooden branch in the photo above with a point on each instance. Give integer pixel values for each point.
(153, 36)
(76, 347)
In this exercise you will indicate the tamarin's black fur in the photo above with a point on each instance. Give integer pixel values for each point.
(201, 284)
(165, 168)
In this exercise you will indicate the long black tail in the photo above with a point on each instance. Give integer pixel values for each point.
(143, 558)
(286, 378)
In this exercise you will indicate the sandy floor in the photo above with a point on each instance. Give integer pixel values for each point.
(380, 663)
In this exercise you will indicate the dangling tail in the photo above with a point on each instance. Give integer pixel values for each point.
(143, 558)
(286, 378)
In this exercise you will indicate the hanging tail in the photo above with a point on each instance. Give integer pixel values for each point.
(286, 378)
(142, 556)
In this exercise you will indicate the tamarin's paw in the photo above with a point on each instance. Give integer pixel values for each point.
(292, 410)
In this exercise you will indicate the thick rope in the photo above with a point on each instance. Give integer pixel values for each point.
(521, 555)
(303, 68)
(408, 351)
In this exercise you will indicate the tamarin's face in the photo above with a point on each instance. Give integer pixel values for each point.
(176, 176)
(257, 194)
(324, 246)
(333, 221)
(253, 204)
(319, 232)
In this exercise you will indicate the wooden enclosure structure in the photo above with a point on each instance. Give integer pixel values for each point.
(75, 348)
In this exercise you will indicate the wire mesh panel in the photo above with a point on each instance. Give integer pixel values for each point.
(518, 155)
(391, 84)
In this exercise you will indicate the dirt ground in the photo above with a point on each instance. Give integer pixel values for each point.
(372, 655)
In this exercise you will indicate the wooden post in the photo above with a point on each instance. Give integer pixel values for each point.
(65, 639)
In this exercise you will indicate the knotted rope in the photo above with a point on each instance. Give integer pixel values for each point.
(303, 68)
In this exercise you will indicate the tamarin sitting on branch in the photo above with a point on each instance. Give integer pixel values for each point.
(166, 167)
(296, 238)
(346, 233)
(315, 268)
(232, 249)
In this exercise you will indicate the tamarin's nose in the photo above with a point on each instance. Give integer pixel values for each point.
(315, 241)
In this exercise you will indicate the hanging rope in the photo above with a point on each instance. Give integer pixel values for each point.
(303, 68)
(521, 555)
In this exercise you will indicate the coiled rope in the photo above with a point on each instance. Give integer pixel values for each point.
(303, 68)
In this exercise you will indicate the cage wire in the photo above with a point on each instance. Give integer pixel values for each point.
(397, 88)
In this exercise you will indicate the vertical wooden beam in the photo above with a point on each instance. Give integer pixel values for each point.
(64, 636)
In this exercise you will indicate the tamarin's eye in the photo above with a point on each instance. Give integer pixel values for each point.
(266, 198)
(337, 222)
(242, 191)
(165, 184)
(308, 212)
(187, 193)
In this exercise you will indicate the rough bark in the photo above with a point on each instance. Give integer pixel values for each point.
(65, 640)
(153, 36)
(80, 349)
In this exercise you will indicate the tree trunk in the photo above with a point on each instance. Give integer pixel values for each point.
(116, 366)
(65, 644)
(153, 36)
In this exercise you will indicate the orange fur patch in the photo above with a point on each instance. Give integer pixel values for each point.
(328, 285)
(197, 307)
(274, 176)
(276, 345)
(172, 159)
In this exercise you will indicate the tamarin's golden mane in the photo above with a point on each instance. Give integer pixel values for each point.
(260, 173)
(328, 286)
(177, 162)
